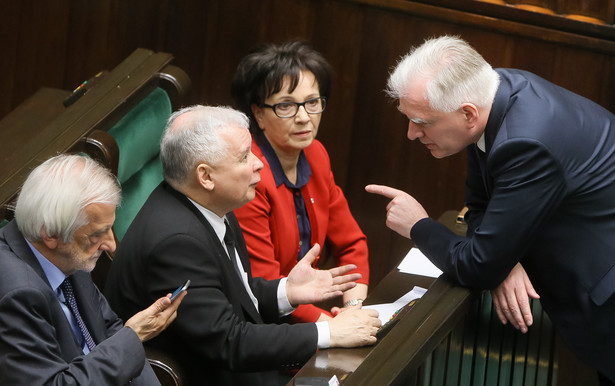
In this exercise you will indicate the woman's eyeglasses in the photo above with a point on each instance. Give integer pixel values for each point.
(290, 109)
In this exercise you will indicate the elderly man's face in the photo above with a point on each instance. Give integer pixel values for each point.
(442, 133)
(236, 176)
(89, 241)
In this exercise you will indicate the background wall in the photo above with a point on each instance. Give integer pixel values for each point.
(60, 43)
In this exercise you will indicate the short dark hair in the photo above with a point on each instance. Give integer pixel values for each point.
(261, 73)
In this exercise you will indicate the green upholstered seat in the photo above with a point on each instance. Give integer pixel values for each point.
(139, 170)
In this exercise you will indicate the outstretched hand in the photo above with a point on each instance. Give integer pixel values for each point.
(307, 285)
(511, 299)
(402, 212)
(156, 318)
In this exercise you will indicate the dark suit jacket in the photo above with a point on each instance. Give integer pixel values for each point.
(545, 197)
(37, 346)
(219, 336)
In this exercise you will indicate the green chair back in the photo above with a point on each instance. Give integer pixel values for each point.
(138, 136)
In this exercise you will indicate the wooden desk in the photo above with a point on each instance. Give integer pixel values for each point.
(342, 361)
(403, 350)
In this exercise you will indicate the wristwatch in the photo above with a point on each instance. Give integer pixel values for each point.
(352, 302)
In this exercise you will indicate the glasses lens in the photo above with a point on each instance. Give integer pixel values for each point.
(314, 106)
(286, 109)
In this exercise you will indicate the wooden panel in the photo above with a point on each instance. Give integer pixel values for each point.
(59, 43)
(34, 44)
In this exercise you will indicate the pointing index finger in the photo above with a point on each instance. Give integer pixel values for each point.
(383, 190)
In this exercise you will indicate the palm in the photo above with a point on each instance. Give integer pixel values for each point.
(308, 285)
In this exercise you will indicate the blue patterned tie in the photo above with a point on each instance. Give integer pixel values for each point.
(67, 290)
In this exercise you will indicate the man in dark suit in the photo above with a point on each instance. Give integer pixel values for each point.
(540, 190)
(55, 326)
(225, 333)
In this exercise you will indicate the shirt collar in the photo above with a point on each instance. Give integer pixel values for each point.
(53, 273)
(303, 167)
(498, 110)
(216, 222)
(481, 143)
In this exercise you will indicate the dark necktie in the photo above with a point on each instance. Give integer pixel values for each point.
(229, 241)
(69, 296)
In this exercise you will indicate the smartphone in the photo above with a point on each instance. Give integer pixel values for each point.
(180, 289)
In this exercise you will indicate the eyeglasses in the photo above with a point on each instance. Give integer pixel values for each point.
(290, 109)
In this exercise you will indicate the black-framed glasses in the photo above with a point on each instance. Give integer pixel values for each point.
(290, 109)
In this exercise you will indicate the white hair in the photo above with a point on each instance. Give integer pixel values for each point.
(53, 198)
(194, 139)
(454, 71)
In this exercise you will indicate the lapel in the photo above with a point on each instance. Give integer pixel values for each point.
(497, 114)
(89, 305)
(15, 240)
(230, 275)
(18, 245)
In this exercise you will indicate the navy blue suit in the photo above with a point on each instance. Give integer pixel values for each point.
(543, 196)
(37, 345)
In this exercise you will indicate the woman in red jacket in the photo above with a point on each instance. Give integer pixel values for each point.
(284, 89)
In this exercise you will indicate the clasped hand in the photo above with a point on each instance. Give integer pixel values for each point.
(307, 285)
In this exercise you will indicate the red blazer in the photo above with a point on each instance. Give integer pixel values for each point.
(269, 224)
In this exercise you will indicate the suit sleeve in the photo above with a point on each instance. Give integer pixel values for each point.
(529, 185)
(30, 322)
(208, 320)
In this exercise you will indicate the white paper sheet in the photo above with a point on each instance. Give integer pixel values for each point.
(418, 264)
(387, 310)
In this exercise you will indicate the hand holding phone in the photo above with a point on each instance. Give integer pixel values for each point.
(180, 289)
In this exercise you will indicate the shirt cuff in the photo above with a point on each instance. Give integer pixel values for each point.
(284, 306)
(324, 334)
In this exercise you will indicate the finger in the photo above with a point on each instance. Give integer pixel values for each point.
(531, 292)
(371, 340)
(338, 271)
(332, 294)
(499, 308)
(352, 277)
(525, 308)
(383, 190)
(513, 313)
(342, 287)
(161, 304)
(311, 255)
(175, 303)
